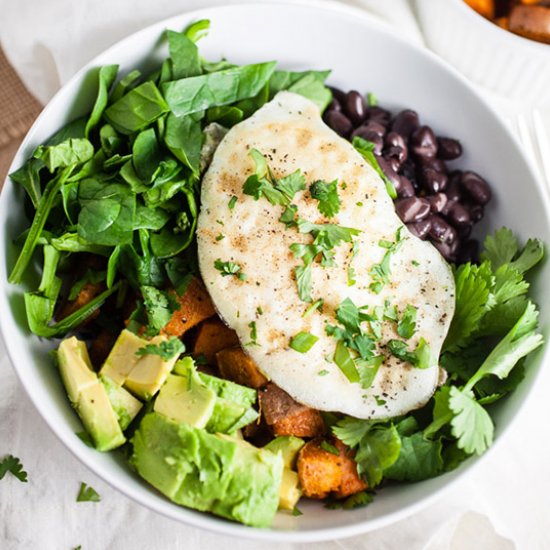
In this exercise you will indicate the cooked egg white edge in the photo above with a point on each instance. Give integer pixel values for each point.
(290, 133)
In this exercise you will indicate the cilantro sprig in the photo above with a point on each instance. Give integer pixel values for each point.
(327, 195)
(380, 272)
(87, 494)
(13, 465)
(166, 350)
(227, 269)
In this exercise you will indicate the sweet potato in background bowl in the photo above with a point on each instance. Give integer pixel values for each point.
(511, 65)
(363, 56)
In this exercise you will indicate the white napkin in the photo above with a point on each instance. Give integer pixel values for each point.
(502, 505)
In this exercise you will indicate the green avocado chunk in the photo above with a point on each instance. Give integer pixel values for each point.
(205, 401)
(88, 395)
(125, 405)
(289, 446)
(208, 472)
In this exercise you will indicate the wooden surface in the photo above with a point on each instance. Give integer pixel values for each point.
(18, 110)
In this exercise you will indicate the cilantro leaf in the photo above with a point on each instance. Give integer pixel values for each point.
(253, 334)
(473, 299)
(87, 494)
(166, 350)
(421, 357)
(407, 324)
(326, 446)
(471, 423)
(13, 465)
(380, 273)
(531, 255)
(303, 341)
(232, 202)
(500, 248)
(368, 371)
(520, 341)
(327, 195)
(287, 217)
(377, 446)
(291, 184)
(229, 268)
(419, 458)
(303, 281)
(158, 307)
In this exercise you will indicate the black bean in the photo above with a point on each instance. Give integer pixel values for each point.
(420, 229)
(476, 187)
(393, 161)
(408, 169)
(468, 252)
(334, 105)
(412, 209)
(441, 231)
(396, 152)
(423, 142)
(432, 162)
(453, 190)
(476, 212)
(354, 107)
(371, 126)
(437, 202)
(338, 94)
(377, 114)
(405, 123)
(390, 173)
(458, 215)
(433, 181)
(447, 250)
(448, 148)
(393, 139)
(339, 123)
(465, 231)
(405, 188)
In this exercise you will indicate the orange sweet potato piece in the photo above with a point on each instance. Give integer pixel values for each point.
(195, 307)
(236, 365)
(322, 472)
(351, 482)
(286, 416)
(483, 7)
(88, 292)
(319, 471)
(213, 336)
(531, 22)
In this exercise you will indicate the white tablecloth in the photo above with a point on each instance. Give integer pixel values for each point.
(503, 504)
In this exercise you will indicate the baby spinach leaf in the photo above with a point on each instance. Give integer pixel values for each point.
(125, 85)
(28, 176)
(227, 115)
(70, 152)
(184, 55)
(283, 80)
(184, 137)
(107, 216)
(150, 218)
(314, 89)
(137, 109)
(107, 75)
(146, 155)
(197, 30)
(190, 95)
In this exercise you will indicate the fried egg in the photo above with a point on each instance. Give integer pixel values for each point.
(264, 307)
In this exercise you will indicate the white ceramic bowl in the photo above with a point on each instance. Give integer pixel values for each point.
(512, 66)
(365, 56)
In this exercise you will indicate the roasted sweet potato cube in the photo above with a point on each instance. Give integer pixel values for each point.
(87, 293)
(286, 416)
(351, 482)
(195, 307)
(319, 471)
(236, 365)
(214, 335)
(483, 7)
(531, 22)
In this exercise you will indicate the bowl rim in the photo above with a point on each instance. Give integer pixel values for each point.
(206, 521)
(539, 47)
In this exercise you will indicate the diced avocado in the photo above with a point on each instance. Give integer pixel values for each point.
(144, 374)
(186, 399)
(125, 405)
(75, 367)
(223, 388)
(289, 492)
(289, 446)
(88, 395)
(208, 472)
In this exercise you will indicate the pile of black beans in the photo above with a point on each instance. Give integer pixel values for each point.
(435, 203)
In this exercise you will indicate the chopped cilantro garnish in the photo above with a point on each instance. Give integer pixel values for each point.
(359, 203)
(232, 202)
(379, 400)
(421, 357)
(220, 237)
(220, 222)
(303, 341)
(13, 465)
(87, 494)
(263, 183)
(351, 269)
(166, 350)
(159, 307)
(380, 273)
(296, 511)
(415, 263)
(287, 217)
(314, 306)
(406, 327)
(327, 195)
(253, 334)
(323, 372)
(259, 310)
(372, 100)
(326, 446)
(229, 268)
(345, 362)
